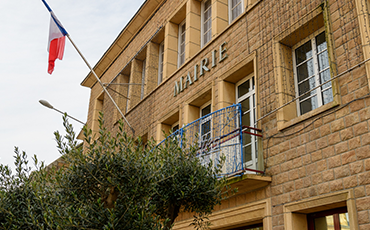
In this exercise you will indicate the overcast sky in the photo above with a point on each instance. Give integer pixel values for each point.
(24, 27)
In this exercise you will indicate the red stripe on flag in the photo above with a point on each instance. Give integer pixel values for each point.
(56, 51)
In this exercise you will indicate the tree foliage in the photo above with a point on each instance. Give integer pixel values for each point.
(112, 181)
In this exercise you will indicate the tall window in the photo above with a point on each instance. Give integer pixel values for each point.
(336, 219)
(206, 21)
(143, 79)
(247, 98)
(205, 125)
(311, 68)
(160, 64)
(181, 49)
(235, 9)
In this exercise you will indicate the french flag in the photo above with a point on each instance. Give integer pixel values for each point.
(56, 41)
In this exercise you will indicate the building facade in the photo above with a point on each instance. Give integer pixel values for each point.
(281, 88)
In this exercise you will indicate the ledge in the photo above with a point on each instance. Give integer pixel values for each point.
(249, 182)
(286, 124)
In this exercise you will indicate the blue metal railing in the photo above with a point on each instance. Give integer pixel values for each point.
(217, 134)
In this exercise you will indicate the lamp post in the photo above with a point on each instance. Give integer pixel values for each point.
(48, 105)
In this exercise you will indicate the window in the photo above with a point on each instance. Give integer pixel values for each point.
(181, 49)
(311, 68)
(175, 127)
(175, 131)
(322, 212)
(301, 62)
(205, 125)
(235, 9)
(246, 96)
(336, 219)
(160, 64)
(143, 79)
(206, 21)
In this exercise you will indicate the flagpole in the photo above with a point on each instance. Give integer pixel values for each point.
(97, 78)
(64, 32)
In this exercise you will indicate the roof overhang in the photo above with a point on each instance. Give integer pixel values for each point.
(137, 22)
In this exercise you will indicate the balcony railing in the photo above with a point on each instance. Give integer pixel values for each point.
(221, 134)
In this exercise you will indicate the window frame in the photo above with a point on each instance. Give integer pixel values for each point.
(143, 79)
(180, 42)
(160, 62)
(230, 9)
(175, 125)
(320, 102)
(253, 163)
(203, 32)
(202, 122)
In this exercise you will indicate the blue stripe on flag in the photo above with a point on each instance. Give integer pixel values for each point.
(60, 26)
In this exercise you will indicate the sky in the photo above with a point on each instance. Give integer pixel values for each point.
(24, 29)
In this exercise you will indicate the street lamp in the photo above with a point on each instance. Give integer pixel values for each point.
(47, 104)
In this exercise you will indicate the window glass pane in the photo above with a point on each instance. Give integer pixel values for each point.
(246, 119)
(243, 88)
(308, 105)
(323, 60)
(207, 22)
(247, 153)
(254, 107)
(324, 223)
(175, 128)
(206, 127)
(182, 44)
(207, 37)
(206, 110)
(344, 221)
(327, 96)
(182, 59)
(207, 4)
(325, 76)
(236, 8)
(303, 52)
(320, 42)
(245, 105)
(236, 11)
(160, 65)
(183, 28)
(306, 86)
(234, 2)
(246, 137)
(305, 70)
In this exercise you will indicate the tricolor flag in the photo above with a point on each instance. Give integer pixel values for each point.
(56, 42)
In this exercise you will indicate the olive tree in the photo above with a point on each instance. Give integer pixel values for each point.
(111, 181)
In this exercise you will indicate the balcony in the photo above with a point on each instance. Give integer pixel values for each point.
(221, 133)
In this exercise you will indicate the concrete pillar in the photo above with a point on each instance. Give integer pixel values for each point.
(170, 49)
(193, 28)
(151, 75)
(220, 16)
(135, 78)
